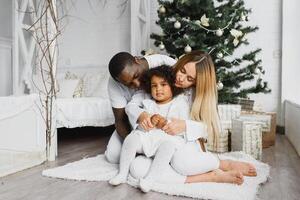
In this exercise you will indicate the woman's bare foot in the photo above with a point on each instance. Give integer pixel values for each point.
(234, 177)
(217, 176)
(246, 169)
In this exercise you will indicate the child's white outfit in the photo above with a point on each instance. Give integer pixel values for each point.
(177, 108)
(147, 143)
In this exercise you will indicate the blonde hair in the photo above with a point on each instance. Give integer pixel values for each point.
(204, 107)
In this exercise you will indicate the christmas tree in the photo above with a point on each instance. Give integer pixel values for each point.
(218, 27)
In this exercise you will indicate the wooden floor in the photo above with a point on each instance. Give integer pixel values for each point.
(79, 143)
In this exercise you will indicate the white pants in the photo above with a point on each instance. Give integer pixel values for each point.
(188, 160)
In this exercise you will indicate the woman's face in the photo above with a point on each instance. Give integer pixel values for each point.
(186, 76)
(160, 90)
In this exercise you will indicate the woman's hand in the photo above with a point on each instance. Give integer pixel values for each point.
(175, 127)
(144, 121)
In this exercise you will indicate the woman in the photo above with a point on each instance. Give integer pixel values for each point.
(196, 72)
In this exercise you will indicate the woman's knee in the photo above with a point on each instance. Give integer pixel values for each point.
(194, 162)
(140, 166)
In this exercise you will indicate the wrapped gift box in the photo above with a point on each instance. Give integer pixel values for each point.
(246, 104)
(269, 125)
(229, 111)
(222, 144)
(246, 136)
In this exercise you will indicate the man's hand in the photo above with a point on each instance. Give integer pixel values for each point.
(144, 121)
(175, 126)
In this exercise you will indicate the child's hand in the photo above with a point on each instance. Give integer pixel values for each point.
(158, 121)
(144, 121)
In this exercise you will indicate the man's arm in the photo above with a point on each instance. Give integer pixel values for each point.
(121, 122)
(158, 60)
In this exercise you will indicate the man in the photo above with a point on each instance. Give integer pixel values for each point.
(126, 71)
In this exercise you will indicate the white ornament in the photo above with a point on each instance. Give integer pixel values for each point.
(257, 71)
(161, 46)
(219, 32)
(243, 17)
(198, 22)
(220, 85)
(177, 25)
(187, 49)
(162, 10)
(220, 55)
(236, 33)
(235, 42)
(219, 15)
(204, 20)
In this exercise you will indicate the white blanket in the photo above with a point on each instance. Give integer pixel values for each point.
(98, 169)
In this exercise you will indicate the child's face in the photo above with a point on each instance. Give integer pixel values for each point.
(160, 90)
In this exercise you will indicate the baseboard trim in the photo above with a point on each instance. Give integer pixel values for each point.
(280, 130)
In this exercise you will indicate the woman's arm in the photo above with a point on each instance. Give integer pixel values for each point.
(193, 129)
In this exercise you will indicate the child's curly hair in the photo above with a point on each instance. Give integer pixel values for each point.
(163, 71)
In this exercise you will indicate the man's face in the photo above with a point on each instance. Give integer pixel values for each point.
(130, 76)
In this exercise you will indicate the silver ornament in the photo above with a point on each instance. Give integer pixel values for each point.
(162, 10)
(220, 85)
(187, 49)
(161, 46)
(220, 55)
(219, 32)
(257, 71)
(177, 25)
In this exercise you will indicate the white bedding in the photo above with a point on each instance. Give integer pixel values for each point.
(78, 112)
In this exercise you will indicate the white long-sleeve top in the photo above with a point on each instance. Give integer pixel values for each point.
(194, 130)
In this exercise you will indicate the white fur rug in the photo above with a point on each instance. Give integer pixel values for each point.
(98, 169)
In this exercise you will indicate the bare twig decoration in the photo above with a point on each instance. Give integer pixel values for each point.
(45, 30)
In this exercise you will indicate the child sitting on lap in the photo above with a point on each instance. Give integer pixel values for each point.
(159, 83)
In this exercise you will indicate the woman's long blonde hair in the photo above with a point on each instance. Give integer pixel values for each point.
(204, 107)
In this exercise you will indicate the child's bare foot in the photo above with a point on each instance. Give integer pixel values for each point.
(233, 177)
(246, 169)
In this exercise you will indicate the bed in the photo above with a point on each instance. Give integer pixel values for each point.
(82, 99)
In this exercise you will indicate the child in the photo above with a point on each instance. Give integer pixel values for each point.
(159, 82)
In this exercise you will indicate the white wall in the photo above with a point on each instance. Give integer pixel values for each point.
(94, 33)
(6, 18)
(291, 51)
(267, 16)
(5, 47)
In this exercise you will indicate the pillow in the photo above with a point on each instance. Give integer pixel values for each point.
(66, 88)
(78, 92)
(95, 84)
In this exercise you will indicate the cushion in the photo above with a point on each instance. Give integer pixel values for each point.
(95, 85)
(66, 88)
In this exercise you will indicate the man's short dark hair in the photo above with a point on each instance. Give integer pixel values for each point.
(118, 63)
(165, 72)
